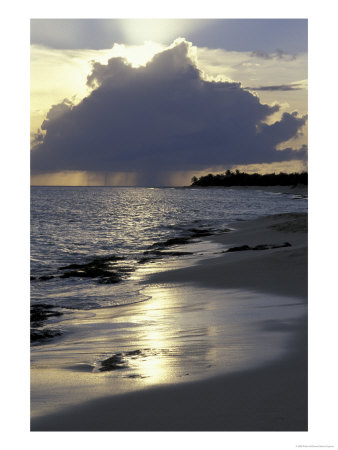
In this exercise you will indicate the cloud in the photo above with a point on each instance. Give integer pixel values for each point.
(278, 54)
(280, 87)
(161, 118)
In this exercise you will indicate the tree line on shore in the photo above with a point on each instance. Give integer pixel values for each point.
(238, 178)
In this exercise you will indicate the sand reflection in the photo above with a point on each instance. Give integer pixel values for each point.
(181, 333)
(174, 342)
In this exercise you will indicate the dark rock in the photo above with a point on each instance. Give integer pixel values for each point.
(199, 232)
(46, 277)
(87, 272)
(97, 262)
(135, 375)
(257, 247)
(153, 252)
(261, 247)
(97, 268)
(166, 253)
(286, 244)
(269, 246)
(145, 260)
(40, 312)
(33, 278)
(41, 335)
(177, 253)
(119, 360)
(134, 353)
(157, 254)
(126, 269)
(115, 362)
(172, 241)
(239, 249)
(43, 306)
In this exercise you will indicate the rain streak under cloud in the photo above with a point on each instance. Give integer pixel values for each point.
(161, 118)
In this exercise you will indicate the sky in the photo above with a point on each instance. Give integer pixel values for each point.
(156, 101)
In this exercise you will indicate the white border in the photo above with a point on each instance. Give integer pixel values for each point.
(15, 218)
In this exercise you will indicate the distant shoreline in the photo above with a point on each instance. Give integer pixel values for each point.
(277, 189)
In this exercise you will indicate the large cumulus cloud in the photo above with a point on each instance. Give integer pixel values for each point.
(161, 118)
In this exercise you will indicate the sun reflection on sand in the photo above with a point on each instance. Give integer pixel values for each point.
(158, 338)
(182, 333)
(182, 337)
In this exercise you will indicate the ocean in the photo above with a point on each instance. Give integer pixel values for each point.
(86, 242)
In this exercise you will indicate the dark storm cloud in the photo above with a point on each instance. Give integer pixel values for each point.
(161, 118)
(280, 87)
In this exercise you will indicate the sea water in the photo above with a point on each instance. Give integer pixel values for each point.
(116, 229)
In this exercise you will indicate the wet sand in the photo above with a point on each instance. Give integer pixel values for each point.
(282, 271)
(270, 397)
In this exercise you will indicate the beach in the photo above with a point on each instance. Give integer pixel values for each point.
(260, 268)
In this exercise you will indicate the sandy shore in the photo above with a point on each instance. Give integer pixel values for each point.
(272, 397)
(282, 271)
